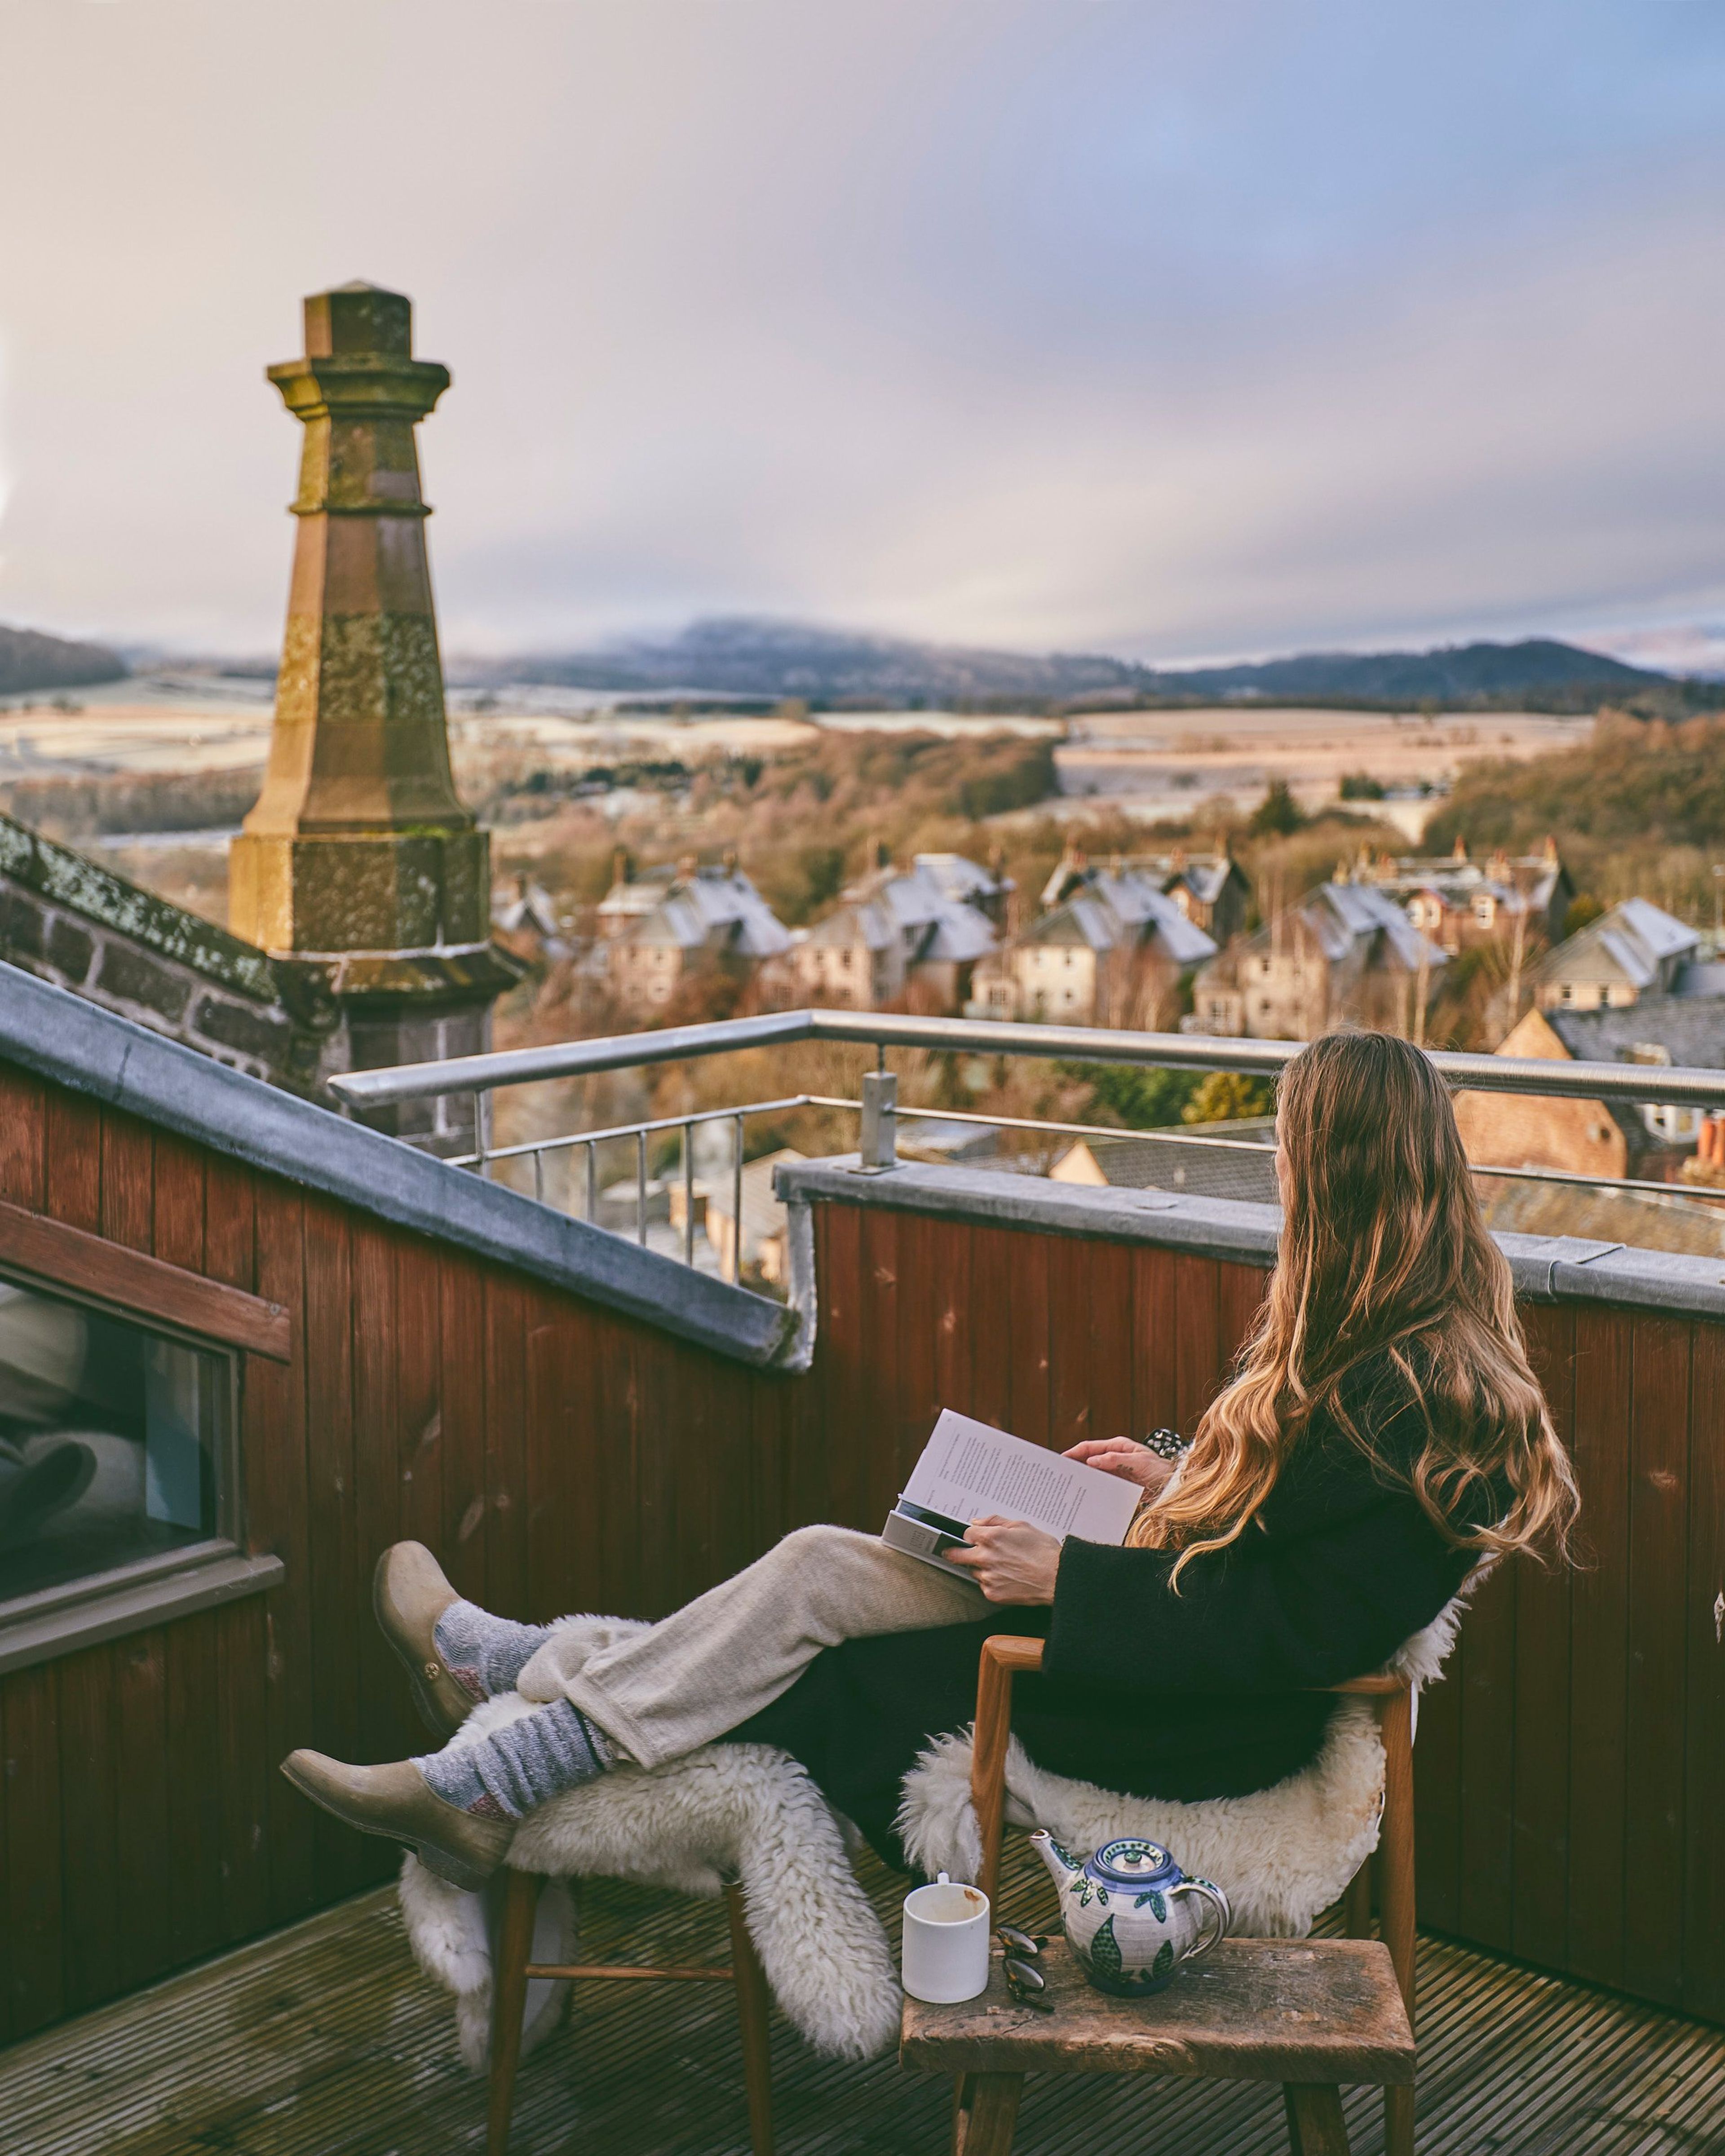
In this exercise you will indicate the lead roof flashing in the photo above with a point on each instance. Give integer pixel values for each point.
(76, 1044)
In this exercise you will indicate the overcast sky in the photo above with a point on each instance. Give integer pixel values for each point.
(1219, 327)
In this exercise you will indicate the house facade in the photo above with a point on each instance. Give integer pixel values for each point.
(917, 932)
(1648, 1141)
(1212, 890)
(1348, 952)
(1458, 903)
(686, 922)
(1114, 954)
(1634, 951)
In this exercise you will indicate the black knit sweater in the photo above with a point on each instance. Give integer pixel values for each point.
(1211, 1692)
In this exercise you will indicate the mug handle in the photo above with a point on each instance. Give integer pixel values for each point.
(1224, 1914)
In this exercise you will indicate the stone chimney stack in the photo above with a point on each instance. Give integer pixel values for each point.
(358, 852)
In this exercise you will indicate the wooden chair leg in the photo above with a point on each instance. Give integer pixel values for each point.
(751, 2013)
(985, 2111)
(1357, 1903)
(509, 1999)
(1316, 2126)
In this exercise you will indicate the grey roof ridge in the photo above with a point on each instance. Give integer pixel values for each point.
(61, 1037)
(1546, 1268)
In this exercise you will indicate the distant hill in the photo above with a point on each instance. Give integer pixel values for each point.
(28, 660)
(775, 659)
(1456, 674)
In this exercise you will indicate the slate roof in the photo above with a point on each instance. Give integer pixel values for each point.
(931, 905)
(1691, 1028)
(1153, 1161)
(718, 908)
(1123, 906)
(1632, 942)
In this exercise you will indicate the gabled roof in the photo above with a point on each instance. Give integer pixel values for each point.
(1126, 908)
(930, 906)
(717, 909)
(859, 921)
(1690, 1029)
(1630, 944)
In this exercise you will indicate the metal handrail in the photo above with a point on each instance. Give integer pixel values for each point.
(1669, 1086)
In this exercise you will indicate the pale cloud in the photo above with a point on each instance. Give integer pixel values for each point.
(1166, 330)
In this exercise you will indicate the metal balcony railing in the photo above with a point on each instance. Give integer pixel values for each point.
(877, 1109)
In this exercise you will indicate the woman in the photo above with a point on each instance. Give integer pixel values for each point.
(1383, 1432)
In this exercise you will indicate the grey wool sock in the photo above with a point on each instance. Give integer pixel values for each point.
(485, 1654)
(509, 1773)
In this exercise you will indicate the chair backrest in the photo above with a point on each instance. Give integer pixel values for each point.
(1004, 1654)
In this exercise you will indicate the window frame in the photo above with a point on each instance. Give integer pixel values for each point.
(49, 1258)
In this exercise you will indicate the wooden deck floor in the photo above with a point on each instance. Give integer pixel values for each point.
(325, 2040)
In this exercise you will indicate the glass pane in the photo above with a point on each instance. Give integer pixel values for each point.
(110, 1442)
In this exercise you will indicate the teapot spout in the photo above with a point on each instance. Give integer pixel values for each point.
(1063, 1868)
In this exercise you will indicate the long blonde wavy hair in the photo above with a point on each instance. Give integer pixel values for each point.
(1383, 1254)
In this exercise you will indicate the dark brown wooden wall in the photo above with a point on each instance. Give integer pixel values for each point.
(556, 1456)
(1571, 1769)
(559, 1457)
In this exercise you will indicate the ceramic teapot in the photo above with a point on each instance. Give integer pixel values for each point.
(1131, 1915)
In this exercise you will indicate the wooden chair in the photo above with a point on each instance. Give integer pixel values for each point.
(1313, 2015)
(515, 1969)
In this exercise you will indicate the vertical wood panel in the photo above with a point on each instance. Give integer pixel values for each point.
(1653, 1900)
(884, 1429)
(994, 1256)
(248, 1770)
(1542, 1687)
(178, 1201)
(830, 1481)
(128, 1182)
(1704, 1775)
(1199, 1354)
(506, 1445)
(1437, 1794)
(147, 1943)
(461, 1433)
(1599, 1647)
(1486, 1684)
(191, 1858)
(229, 1251)
(72, 1160)
(276, 1476)
(32, 1969)
(93, 1904)
(1107, 1334)
(332, 1519)
(22, 1122)
(385, 1728)
(418, 1394)
(1156, 1386)
(1028, 1319)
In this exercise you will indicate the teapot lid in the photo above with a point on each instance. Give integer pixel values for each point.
(1133, 1863)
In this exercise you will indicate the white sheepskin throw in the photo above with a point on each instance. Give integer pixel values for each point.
(741, 1811)
(748, 1812)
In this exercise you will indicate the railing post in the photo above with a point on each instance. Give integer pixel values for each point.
(688, 1194)
(878, 1143)
(641, 1188)
(736, 1203)
(593, 1180)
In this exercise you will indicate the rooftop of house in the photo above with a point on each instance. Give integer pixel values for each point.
(934, 906)
(1634, 943)
(1206, 875)
(1156, 1160)
(1340, 917)
(1689, 1029)
(1123, 906)
(701, 908)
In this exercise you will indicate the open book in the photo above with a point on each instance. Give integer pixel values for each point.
(968, 1469)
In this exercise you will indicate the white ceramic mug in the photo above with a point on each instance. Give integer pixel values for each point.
(945, 1955)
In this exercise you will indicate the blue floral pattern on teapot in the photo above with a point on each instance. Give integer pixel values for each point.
(1131, 1914)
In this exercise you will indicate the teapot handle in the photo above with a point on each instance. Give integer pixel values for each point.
(1224, 1914)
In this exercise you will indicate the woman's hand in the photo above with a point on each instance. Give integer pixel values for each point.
(1120, 1456)
(1010, 1560)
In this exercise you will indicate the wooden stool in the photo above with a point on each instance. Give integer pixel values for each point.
(514, 1970)
(1311, 2013)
